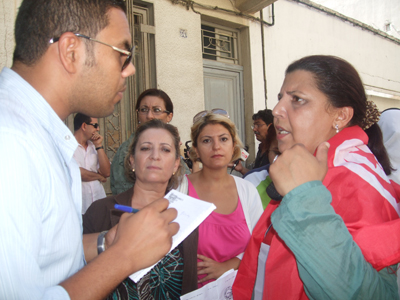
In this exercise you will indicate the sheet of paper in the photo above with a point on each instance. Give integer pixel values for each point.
(191, 212)
(221, 289)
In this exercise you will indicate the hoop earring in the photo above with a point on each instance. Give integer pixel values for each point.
(337, 128)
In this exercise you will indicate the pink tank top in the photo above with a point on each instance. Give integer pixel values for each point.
(221, 237)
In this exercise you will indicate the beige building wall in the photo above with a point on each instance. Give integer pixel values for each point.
(179, 61)
(301, 31)
(381, 14)
(8, 12)
(259, 97)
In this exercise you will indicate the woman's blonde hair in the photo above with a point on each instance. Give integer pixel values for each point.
(211, 118)
(155, 124)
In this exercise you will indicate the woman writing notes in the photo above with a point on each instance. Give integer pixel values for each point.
(305, 249)
(153, 166)
(224, 235)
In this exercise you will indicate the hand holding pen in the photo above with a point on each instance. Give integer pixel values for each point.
(235, 164)
(125, 208)
(144, 237)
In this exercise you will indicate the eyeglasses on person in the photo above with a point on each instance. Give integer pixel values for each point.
(155, 110)
(218, 111)
(129, 54)
(95, 125)
(256, 126)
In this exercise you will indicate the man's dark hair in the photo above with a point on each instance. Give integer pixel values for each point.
(265, 115)
(40, 20)
(79, 119)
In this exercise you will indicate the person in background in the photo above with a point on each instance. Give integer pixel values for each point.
(323, 99)
(389, 123)
(59, 68)
(151, 104)
(262, 121)
(153, 166)
(224, 235)
(91, 158)
(260, 177)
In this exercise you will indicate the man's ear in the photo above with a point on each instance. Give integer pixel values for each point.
(343, 117)
(71, 51)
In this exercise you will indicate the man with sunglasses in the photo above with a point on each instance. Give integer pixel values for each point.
(71, 56)
(91, 158)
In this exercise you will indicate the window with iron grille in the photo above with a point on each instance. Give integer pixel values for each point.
(219, 44)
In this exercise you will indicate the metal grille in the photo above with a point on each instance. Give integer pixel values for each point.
(219, 45)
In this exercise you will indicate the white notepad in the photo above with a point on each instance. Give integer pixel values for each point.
(191, 212)
(220, 289)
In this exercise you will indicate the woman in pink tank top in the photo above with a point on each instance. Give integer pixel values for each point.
(224, 235)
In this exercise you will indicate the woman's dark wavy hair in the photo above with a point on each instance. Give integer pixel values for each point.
(155, 124)
(157, 93)
(40, 20)
(342, 85)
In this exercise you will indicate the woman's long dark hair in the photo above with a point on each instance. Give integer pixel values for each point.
(342, 85)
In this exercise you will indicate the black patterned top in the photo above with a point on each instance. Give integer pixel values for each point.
(173, 276)
(164, 281)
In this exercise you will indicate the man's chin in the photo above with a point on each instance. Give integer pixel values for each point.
(105, 112)
(109, 111)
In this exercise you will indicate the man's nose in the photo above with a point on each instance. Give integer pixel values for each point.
(129, 70)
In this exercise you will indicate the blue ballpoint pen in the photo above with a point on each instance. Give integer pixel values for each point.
(125, 208)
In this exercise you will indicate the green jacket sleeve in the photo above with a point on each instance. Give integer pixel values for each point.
(330, 263)
(118, 181)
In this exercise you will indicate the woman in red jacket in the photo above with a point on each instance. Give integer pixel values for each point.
(322, 99)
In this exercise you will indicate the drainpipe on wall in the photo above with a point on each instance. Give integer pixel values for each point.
(263, 57)
(262, 22)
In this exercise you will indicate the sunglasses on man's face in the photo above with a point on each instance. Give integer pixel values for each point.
(129, 54)
(95, 125)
